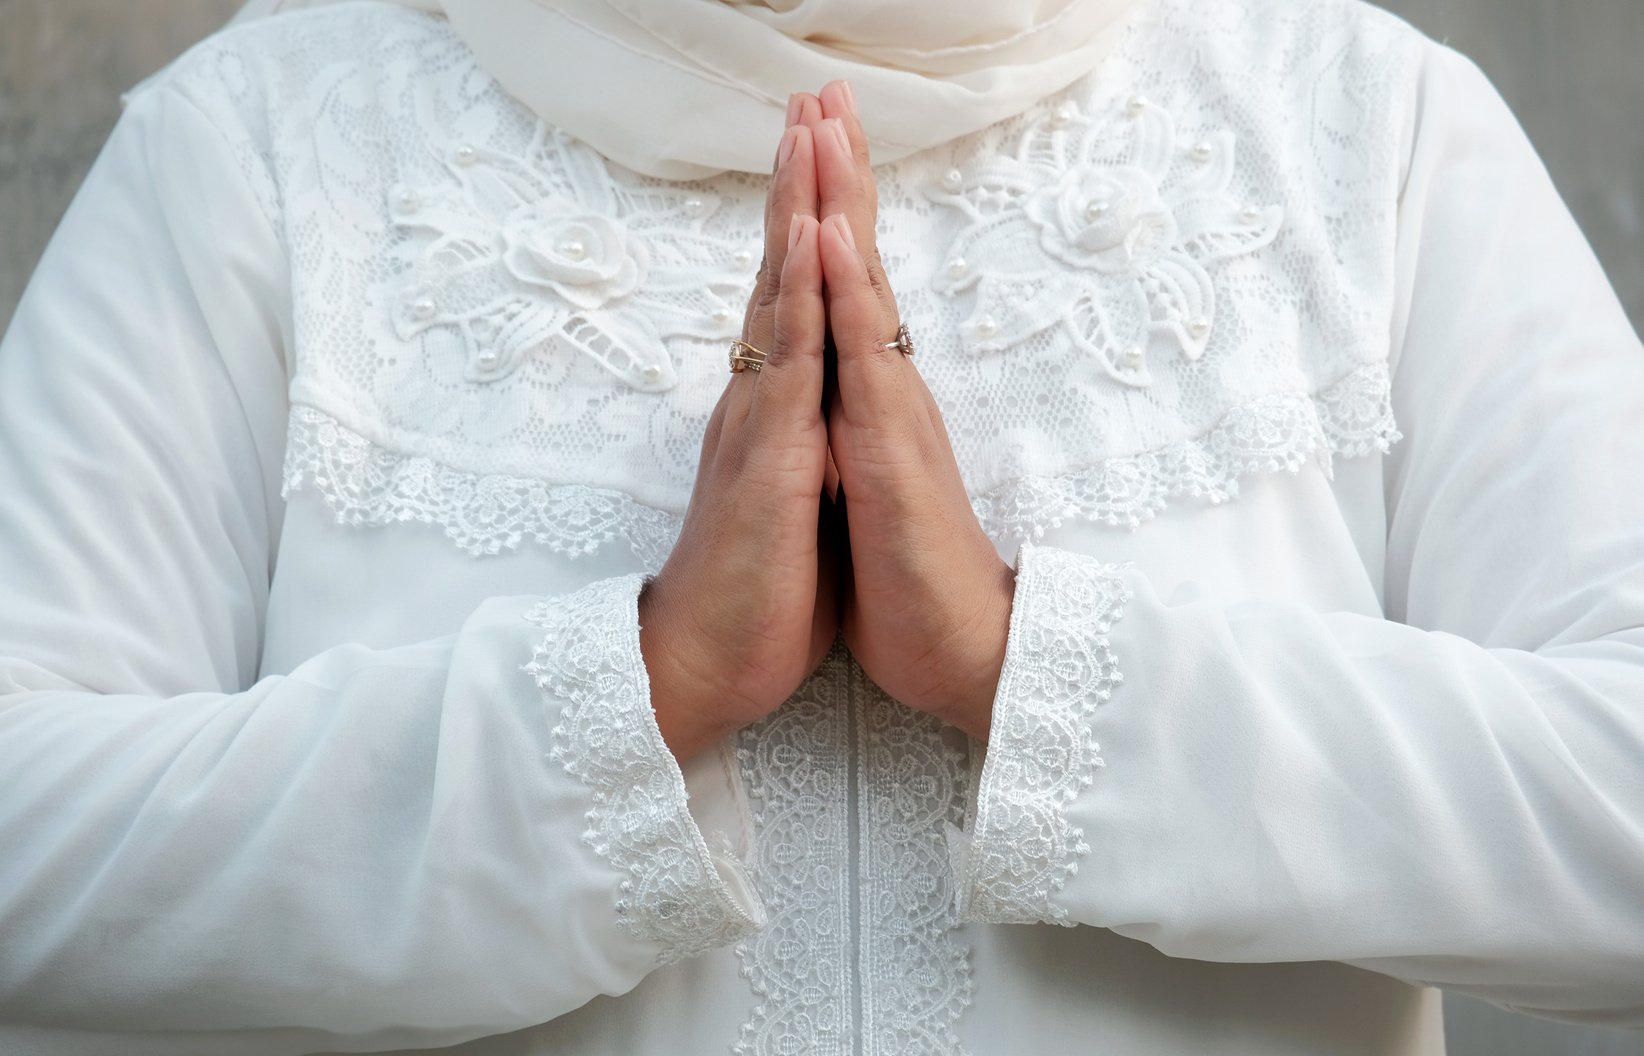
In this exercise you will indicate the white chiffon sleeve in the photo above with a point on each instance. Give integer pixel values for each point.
(396, 847)
(1452, 795)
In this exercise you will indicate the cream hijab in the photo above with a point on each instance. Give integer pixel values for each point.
(682, 89)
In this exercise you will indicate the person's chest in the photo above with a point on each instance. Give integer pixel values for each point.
(1127, 301)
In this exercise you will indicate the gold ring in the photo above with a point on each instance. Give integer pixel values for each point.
(745, 357)
(903, 342)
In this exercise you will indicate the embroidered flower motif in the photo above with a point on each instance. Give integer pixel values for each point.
(1112, 247)
(548, 252)
(588, 260)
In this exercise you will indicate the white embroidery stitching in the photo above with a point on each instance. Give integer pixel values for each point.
(528, 253)
(1066, 230)
(1042, 752)
(916, 968)
(795, 765)
(589, 663)
(365, 484)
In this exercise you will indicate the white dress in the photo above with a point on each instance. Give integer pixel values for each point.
(330, 469)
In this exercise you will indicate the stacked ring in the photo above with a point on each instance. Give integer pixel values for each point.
(745, 357)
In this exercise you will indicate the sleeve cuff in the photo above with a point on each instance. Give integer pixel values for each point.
(1020, 848)
(676, 893)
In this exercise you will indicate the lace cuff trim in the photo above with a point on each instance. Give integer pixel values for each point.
(1042, 752)
(588, 664)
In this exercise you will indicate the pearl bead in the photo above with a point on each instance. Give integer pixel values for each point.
(1097, 209)
(1251, 214)
(1061, 117)
(652, 374)
(407, 201)
(986, 327)
(742, 258)
(573, 249)
(695, 206)
(465, 155)
(423, 307)
(1137, 104)
(487, 359)
(957, 267)
(1199, 327)
(953, 179)
(722, 315)
(1203, 151)
(1133, 357)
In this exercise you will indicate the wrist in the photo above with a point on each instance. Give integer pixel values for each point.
(981, 657)
(689, 705)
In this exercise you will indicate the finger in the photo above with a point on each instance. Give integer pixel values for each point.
(837, 101)
(788, 393)
(872, 380)
(843, 186)
(809, 110)
(793, 190)
(846, 184)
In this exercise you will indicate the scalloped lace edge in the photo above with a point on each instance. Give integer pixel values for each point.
(589, 668)
(1042, 752)
(364, 483)
(1349, 418)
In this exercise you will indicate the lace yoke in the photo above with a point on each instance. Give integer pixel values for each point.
(1171, 275)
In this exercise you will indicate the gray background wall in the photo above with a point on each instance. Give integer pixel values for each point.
(1572, 69)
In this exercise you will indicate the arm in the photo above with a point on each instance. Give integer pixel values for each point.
(384, 848)
(1451, 795)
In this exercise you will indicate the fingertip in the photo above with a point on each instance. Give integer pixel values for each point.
(802, 244)
(841, 229)
(810, 109)
(835, 98)
(793, 111)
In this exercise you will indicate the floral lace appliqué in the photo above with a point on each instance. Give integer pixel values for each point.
(589, 664)
(1042, 752)
(1070, 232)
(521, 257)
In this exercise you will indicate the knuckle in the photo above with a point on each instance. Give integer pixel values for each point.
(770, 286)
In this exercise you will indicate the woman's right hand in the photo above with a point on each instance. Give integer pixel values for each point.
(746, 606)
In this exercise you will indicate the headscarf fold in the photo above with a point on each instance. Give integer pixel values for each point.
(682, 89)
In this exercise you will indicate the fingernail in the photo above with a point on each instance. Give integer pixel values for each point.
(793, 110)
(850, 96)
(795, 226)
(842, 227)
(785, 151)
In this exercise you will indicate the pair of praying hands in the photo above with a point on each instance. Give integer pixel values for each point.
(769, 566)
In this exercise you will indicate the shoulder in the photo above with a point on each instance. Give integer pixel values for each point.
(274, 87)
(248, 75)
(280, 50)
(1277, 36)
(1338, 78)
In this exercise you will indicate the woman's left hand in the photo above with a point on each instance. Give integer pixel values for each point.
(926, 598)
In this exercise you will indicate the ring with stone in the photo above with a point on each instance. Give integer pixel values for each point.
(745, 357)
(903, 342)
